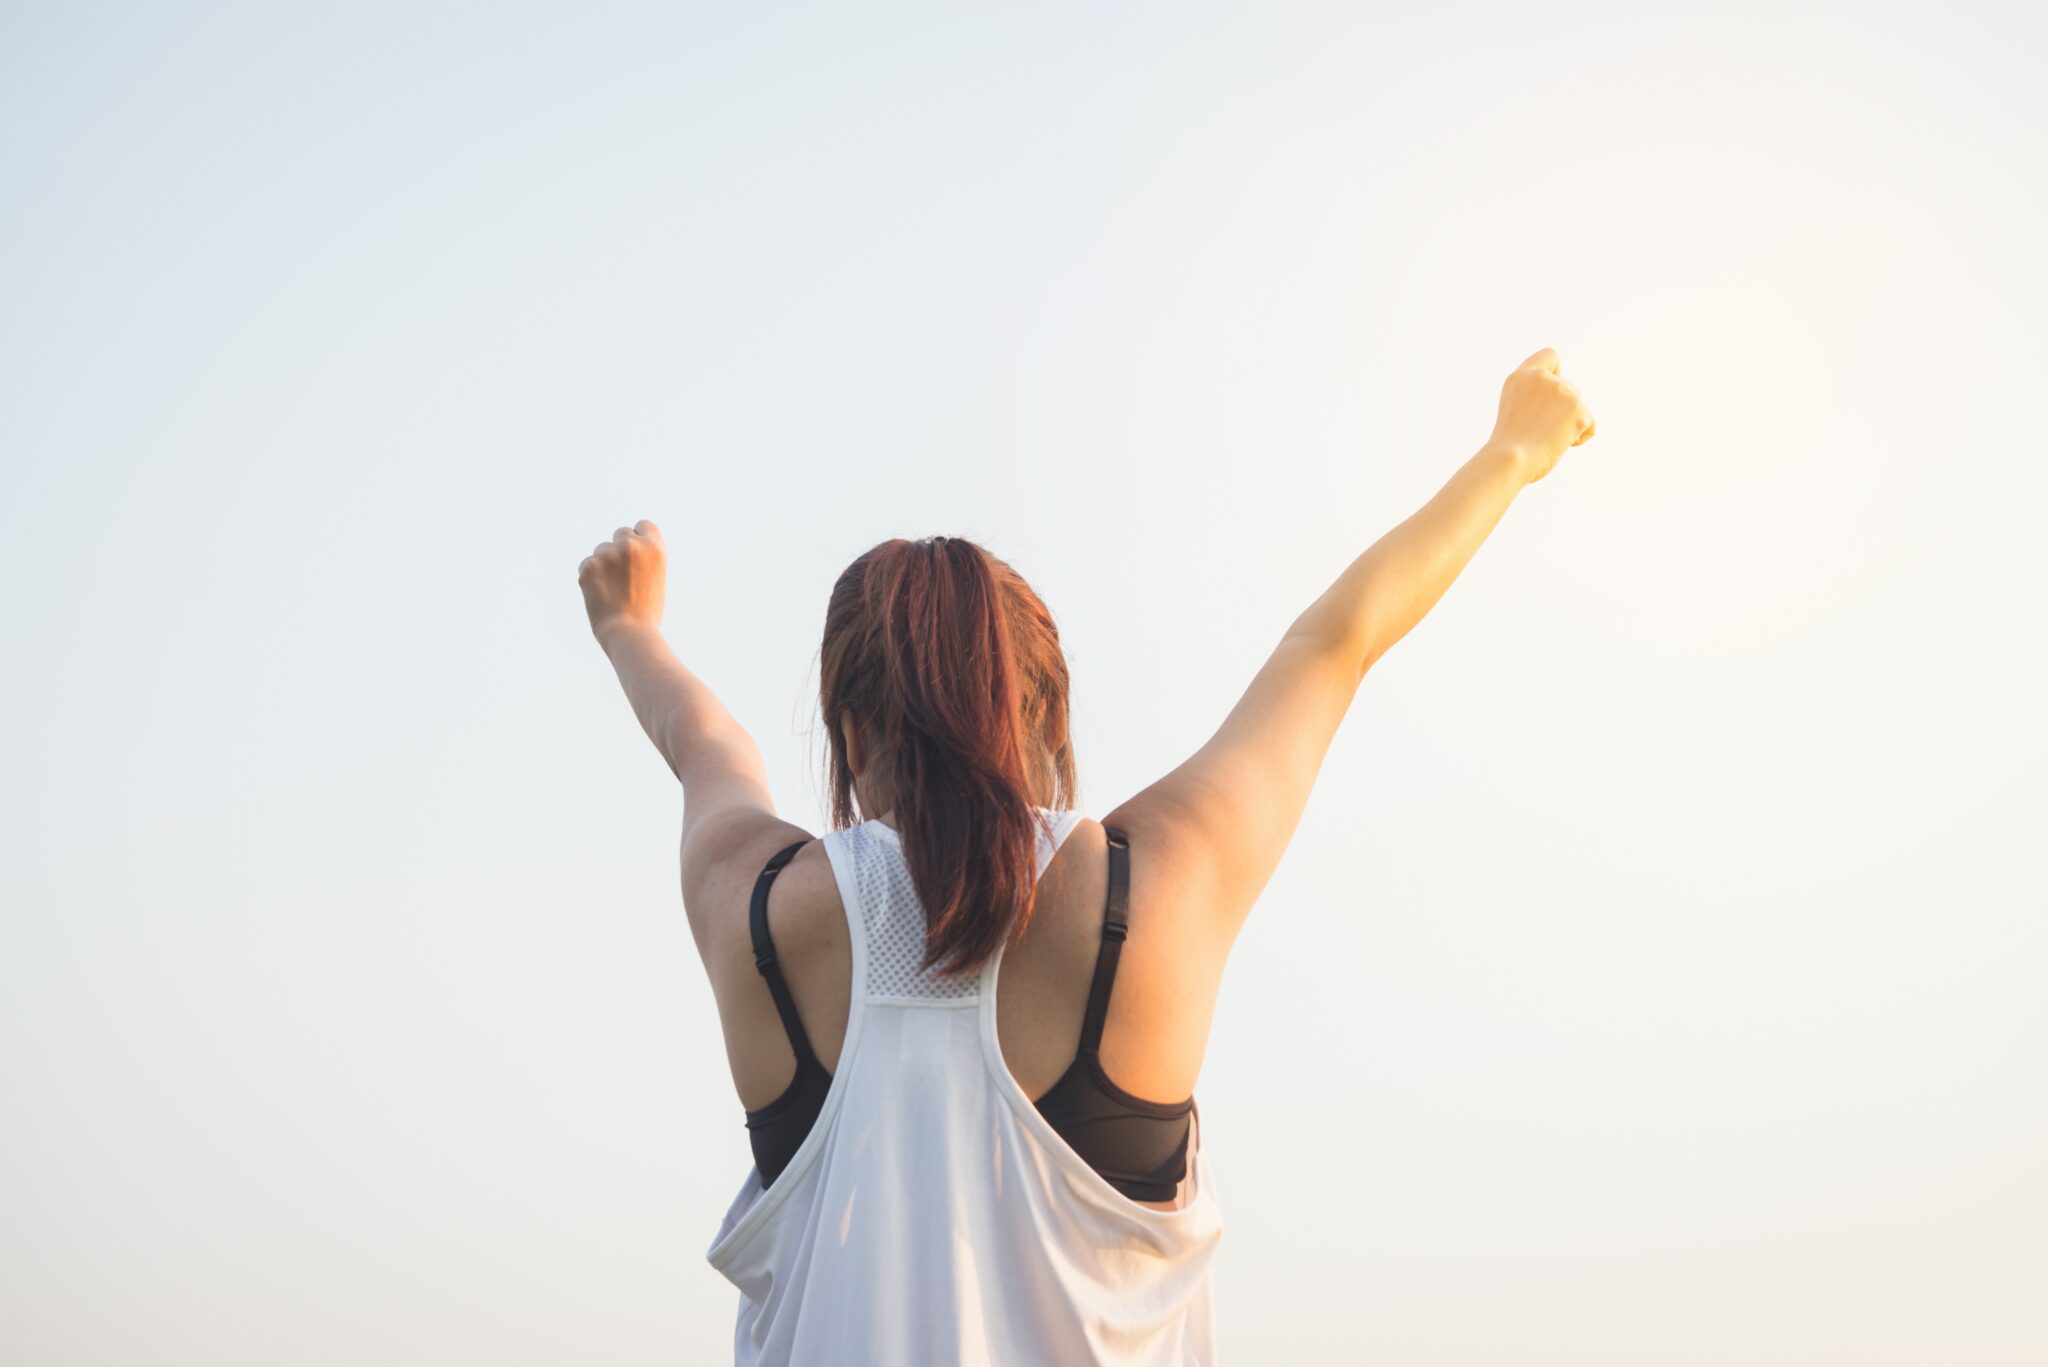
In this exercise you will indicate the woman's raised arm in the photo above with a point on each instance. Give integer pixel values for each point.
(1224, 817)
(1394, 584)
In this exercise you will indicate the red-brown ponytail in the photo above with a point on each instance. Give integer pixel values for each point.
(950, 669)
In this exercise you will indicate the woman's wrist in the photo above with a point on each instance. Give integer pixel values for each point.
(1507, 456)
(620, 628)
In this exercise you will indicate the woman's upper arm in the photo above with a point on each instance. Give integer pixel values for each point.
(1224, 817)
(722, 855)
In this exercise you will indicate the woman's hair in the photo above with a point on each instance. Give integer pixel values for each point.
(950, 670)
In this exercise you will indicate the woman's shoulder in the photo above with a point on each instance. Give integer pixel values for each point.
(805, 915)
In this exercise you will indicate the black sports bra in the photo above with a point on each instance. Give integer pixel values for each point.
(1139, 1147)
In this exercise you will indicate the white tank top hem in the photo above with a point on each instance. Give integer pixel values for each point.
(932, 1215)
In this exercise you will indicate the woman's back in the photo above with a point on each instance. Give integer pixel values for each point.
(1159, 1011)
(931, 1212)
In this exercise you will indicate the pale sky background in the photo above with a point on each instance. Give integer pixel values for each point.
(1656, 976)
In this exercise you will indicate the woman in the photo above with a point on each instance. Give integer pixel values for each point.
(945, 1172)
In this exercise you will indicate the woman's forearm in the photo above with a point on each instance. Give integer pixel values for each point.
(679, 712)
(1384, 592)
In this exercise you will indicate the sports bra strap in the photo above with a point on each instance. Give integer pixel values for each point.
(1115, 923)
(764, 954)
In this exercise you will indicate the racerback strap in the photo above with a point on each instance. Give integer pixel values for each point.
(764, 955)
(1115, 923)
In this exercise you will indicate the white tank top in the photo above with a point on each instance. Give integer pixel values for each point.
(933, 1215)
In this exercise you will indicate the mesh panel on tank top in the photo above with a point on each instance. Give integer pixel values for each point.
(896, 925)
(894, 918)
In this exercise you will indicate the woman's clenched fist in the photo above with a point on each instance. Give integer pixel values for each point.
(625, 579)
(1541, 415)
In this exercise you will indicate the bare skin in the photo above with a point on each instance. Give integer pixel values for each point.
(1205, 839)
